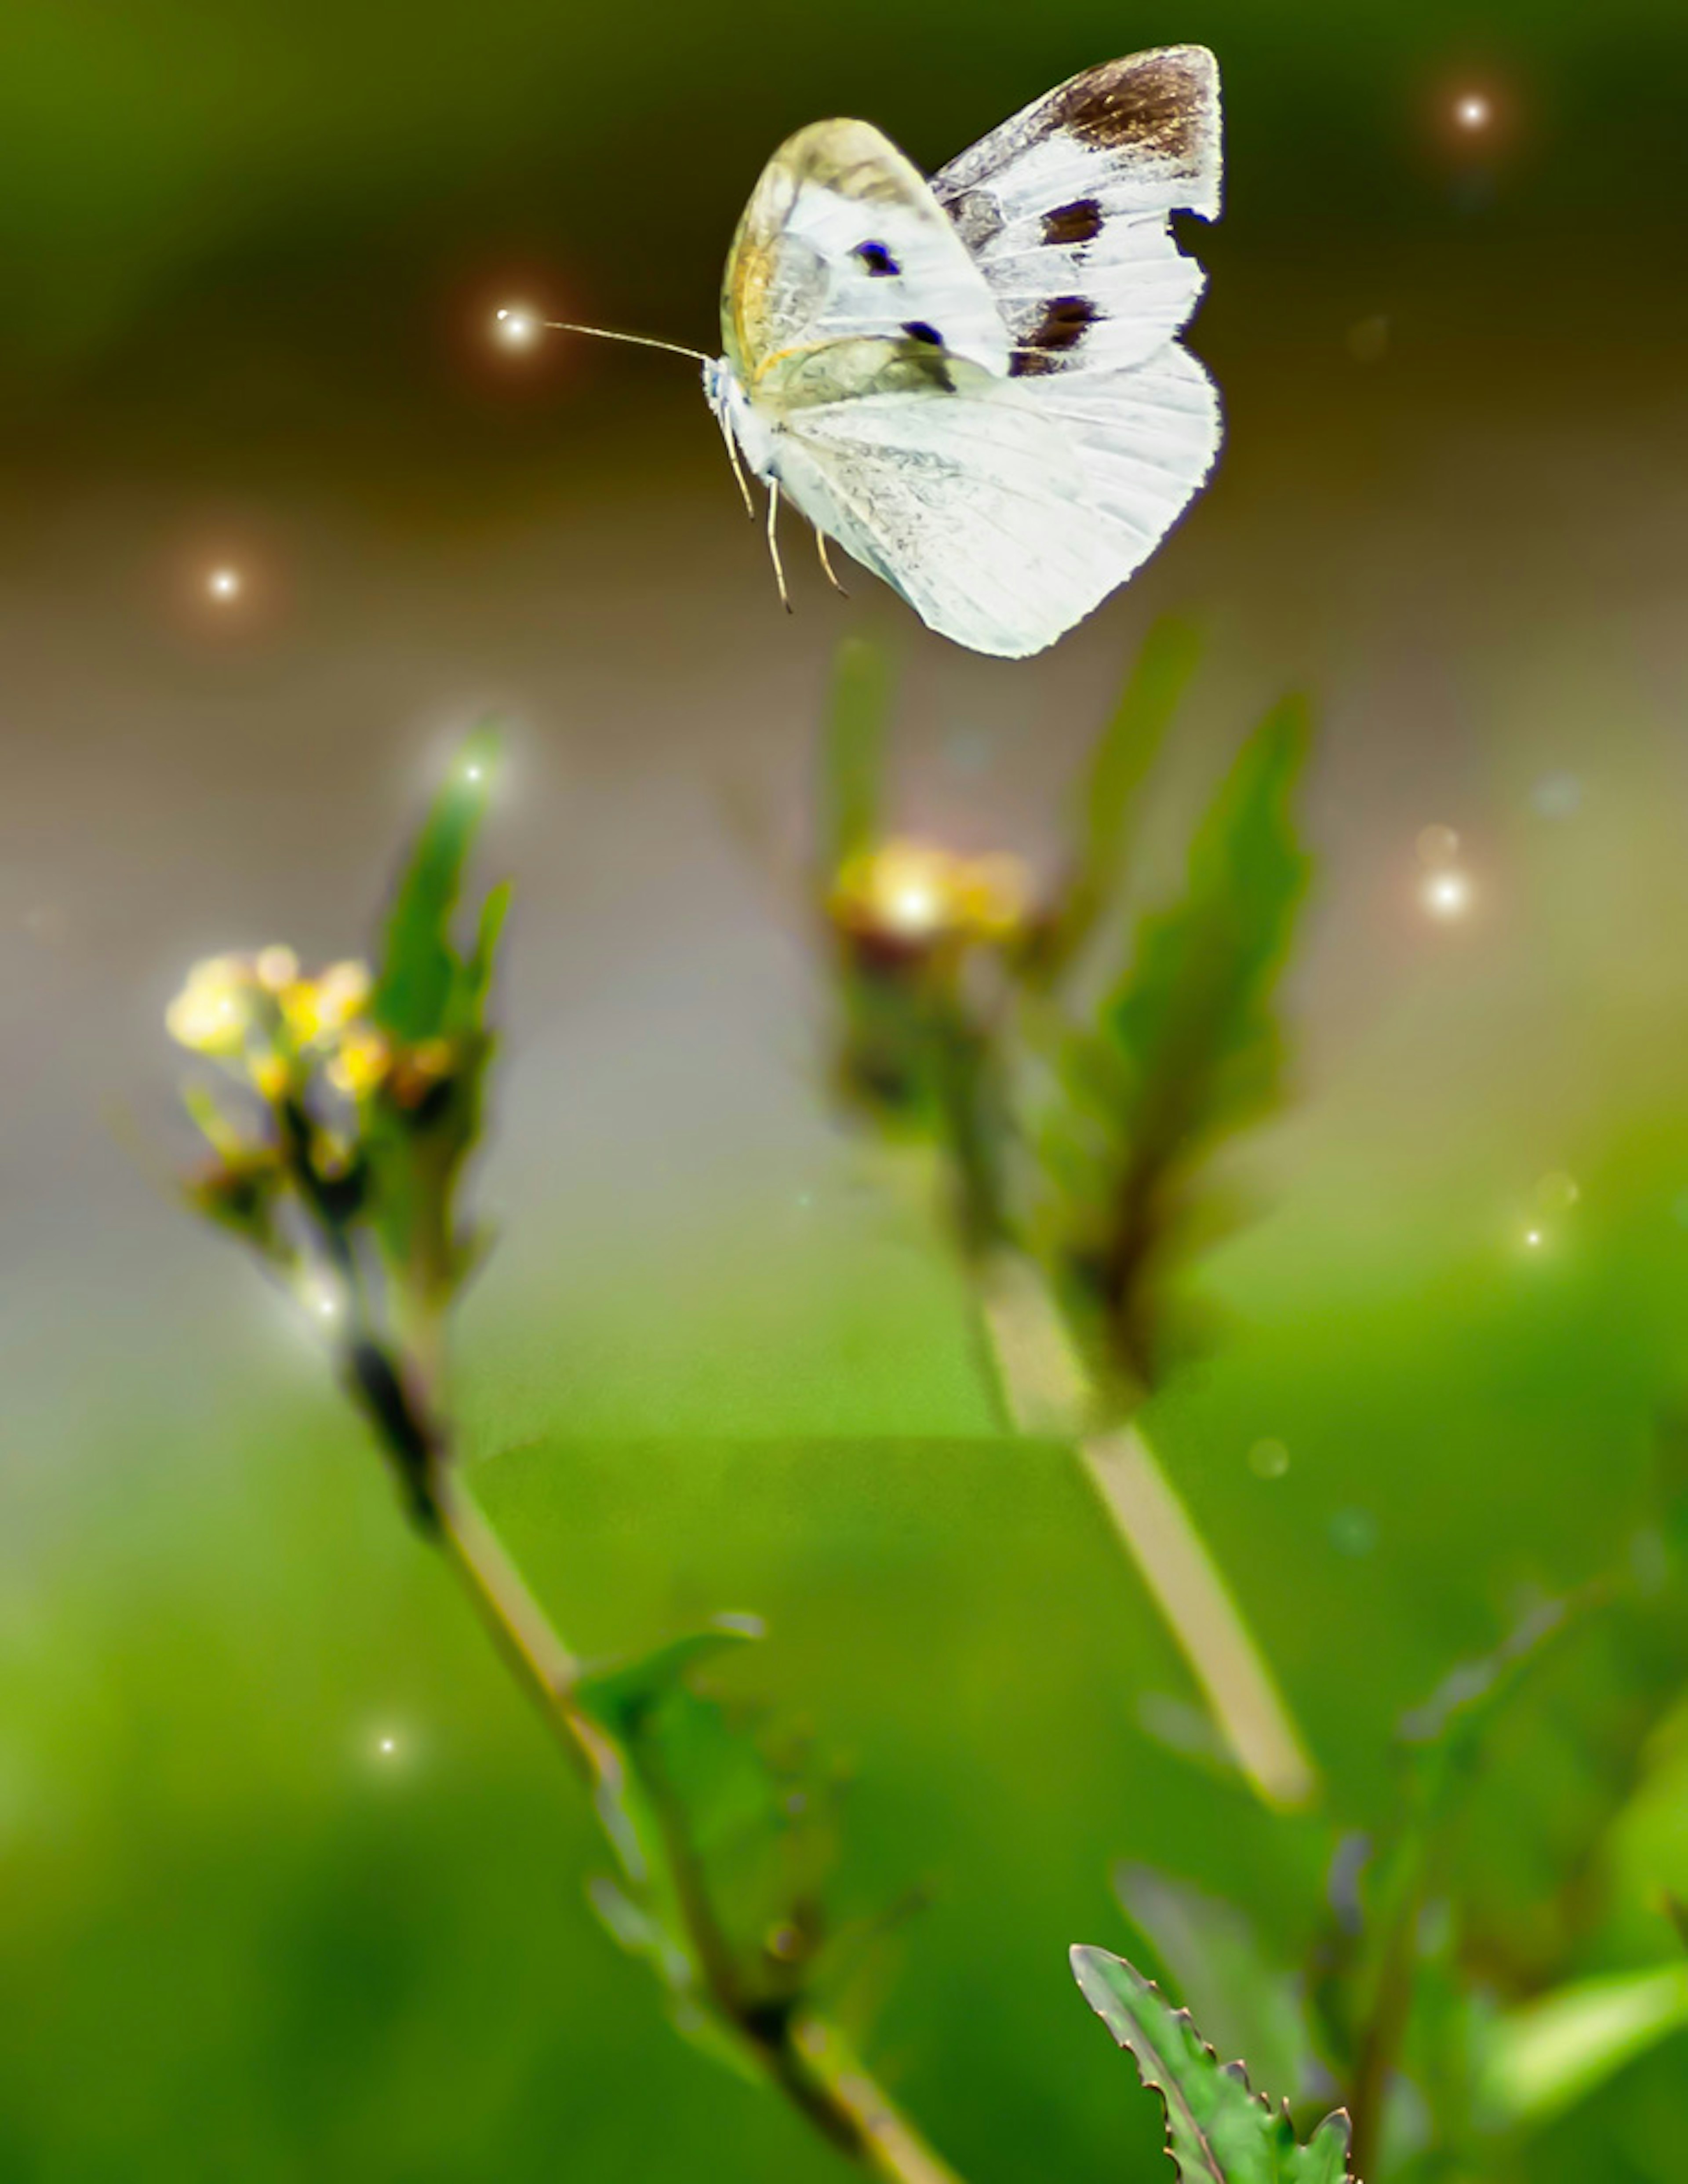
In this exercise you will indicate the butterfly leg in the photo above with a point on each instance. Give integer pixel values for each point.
(773, 547)
(738, 472)
(826, 563)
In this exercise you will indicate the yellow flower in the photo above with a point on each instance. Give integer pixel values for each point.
(995, 896)
(216, 1009)
(914, 893)
(359, 1060)
(276, 968)
(317, 1010)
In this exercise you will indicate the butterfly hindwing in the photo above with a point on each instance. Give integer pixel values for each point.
(843, 240)
(1065, 208)
(1003, 516)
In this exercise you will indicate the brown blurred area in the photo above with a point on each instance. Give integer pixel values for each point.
(1452, 504)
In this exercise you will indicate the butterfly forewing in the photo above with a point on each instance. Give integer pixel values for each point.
(843, 240)
(1065, 208)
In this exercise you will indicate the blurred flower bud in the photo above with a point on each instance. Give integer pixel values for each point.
(215, 1011)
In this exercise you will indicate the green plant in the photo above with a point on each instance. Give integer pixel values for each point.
(347, 1107)
(1442, 1998)
(1072, 1121)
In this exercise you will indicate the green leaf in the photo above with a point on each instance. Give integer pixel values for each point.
(1560, 1767)
(1556, 2050)
(1183, 1051)
(420, 971)
(852, 757)
(1217, 2130)
(724, 1848)
(1247, 2003)
(1109, 794)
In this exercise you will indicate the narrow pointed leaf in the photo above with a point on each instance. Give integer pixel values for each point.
(1555, 2051)
(419, 969)
(852, 760)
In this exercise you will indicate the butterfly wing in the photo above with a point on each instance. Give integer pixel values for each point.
(843, 240)
(1066, 209)
(1001, 518)
(974, 382)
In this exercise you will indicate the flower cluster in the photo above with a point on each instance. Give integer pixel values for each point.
(262, 1019)
(910, 899)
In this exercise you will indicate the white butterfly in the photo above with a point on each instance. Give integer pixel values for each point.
(975, 383)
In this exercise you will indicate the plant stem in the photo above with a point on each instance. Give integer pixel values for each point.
(1201, 1613)
(1048, 1390)
(881, 2137)
(806, 2057)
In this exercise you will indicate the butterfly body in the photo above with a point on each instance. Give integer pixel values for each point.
(974, 383)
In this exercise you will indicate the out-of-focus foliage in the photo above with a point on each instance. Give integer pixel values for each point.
(344, 1176)
(725, 1849)
(955, 991)
(1184, 1051)
(1448, 2009)
(1218, 2132)
(1108, 802)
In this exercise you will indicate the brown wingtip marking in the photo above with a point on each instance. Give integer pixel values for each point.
(1158, 102)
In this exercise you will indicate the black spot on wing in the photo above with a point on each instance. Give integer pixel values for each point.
(925, 357)
(1057, 333)
(1156, 103)
(1079, 222)
(878, 259)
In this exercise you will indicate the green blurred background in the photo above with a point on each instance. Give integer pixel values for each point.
(250, 254)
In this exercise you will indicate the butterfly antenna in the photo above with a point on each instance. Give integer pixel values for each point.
(633, 341)
(517, 324)
(773, 546)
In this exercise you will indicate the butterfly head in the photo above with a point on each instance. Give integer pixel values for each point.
(743, 425)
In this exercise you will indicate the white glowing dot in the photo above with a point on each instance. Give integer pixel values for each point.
(388, 1746)
(1474, 112)
(516, 326)
(472, 774)
(915, 907)
(1533, 1238)
(1447, 895)
(223, 583)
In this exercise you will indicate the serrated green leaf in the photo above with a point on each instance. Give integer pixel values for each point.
(852, 755)
(1184, 1050)
(1218, 2132)
(419, 971)
(724, 1849)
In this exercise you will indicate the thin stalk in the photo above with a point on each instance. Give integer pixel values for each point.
(1049, 1390)
(1202, 1614)
(883, 2138)
(806, 2057)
